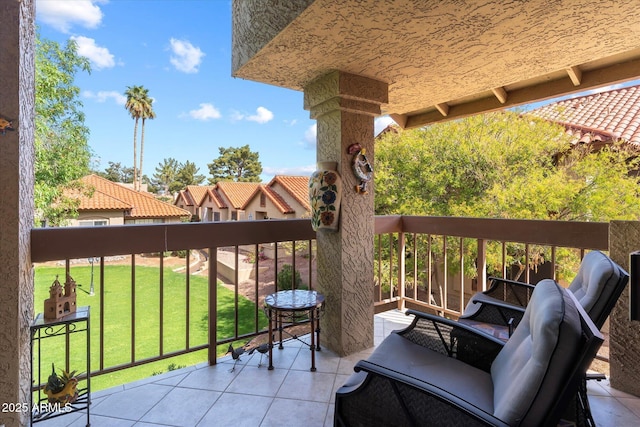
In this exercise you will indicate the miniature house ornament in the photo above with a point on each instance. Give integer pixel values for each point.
(61, 301)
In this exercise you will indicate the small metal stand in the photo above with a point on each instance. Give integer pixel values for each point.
(291, 306)
(42, 329)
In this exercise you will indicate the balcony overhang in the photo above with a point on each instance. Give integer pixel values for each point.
(441, 59)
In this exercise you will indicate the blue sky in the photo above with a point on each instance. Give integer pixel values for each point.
(180, 50)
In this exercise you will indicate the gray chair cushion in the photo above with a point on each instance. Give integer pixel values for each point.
(538, 355)
(447, 373)
(596, 279)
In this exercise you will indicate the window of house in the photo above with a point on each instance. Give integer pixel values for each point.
(146, 221)
(93, 222)
(263, 200)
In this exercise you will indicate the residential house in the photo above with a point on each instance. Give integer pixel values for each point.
(598, 119)
(192, 199)
(283, 197)
(111, 203)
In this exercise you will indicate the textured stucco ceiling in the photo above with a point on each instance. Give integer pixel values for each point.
(441, 58)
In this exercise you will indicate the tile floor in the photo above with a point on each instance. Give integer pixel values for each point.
(288, 395)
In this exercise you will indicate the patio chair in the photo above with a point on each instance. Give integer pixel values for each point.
(442, 373)
(597, 286)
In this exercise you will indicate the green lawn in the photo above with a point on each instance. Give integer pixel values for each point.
(118, 319)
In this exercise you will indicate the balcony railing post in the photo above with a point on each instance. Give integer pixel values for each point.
(481, 265)
(401, 270)
(213, 303)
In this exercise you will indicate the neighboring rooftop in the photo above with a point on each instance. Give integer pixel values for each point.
(601, 117)
(238, 193)
(108, 195)
(297, 186)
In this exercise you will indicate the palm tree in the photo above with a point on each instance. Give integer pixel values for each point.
(147, 113)
(135, 109)
(139, 106)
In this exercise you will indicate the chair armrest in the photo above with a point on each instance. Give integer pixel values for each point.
(497, 312)
(445, 336)
(455, 407)
(511, 291)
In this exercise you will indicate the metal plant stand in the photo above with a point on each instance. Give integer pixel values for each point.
(42, 329)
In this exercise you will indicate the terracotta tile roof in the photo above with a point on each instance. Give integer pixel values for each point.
(275, 198)
(186, 200)
(297, 186)
(238, 193)
(603, 116)
(109, 195)
(217, 199)
(198, 192)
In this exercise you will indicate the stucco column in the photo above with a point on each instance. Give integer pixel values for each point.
(17, 42)
(624, 335)
(344, 106)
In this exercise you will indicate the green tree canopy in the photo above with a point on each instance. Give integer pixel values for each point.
(165, 175)
(236, 164)
(117, 173)
(187, 175)
(504, 165)
(62, 150)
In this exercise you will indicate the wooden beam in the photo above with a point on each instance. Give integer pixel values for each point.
(400, 119)
(443, 108)
(608, 75)
(575, 75)
(501, 94)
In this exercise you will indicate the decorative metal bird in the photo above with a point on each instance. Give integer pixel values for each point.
(262, 349)
(5, 125)
(235, 354)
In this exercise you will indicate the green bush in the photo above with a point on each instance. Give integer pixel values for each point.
(285, 278)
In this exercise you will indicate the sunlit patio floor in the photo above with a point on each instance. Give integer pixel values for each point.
(251, 395)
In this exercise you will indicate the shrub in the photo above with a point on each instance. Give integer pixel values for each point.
(285, 278)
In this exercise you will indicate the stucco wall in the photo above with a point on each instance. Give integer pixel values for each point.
(17, 101)
(112, 217)
(257, 22)
(624, 337)
(344, 106)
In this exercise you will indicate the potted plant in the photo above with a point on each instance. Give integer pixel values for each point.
(62, 388)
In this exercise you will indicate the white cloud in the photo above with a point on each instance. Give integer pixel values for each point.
(205, 112)
(63, 14)
(380, 123)
(290, 122)
(310, 136)
(295, 170)
(104, 95)
(262, 116)
(186, 57)
(99, 56)
(236, 116)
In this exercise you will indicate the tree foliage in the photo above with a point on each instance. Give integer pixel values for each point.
(503, 165)
(117, 173)
(236, 164)
(140, 106)
(61, 138)
(187, 175)
(172, 176)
